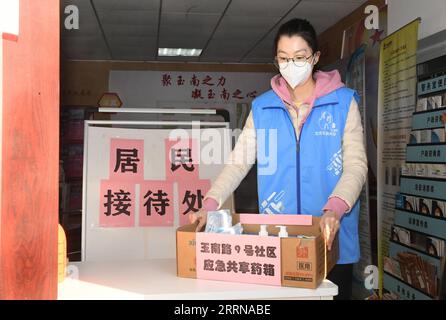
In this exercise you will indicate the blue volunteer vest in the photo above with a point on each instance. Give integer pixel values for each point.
(304, 174)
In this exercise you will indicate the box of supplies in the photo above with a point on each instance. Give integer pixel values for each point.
(298, 260)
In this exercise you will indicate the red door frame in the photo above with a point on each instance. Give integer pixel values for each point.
(30, 154)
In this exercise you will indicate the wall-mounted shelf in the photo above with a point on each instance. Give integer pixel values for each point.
(403, 289)
(424, 187)
(425, 224)
(429, 153)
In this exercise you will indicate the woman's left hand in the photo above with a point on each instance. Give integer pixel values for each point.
(329, 224)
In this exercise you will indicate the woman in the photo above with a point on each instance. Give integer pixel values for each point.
(321, 161)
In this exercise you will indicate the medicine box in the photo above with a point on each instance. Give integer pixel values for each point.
(299, 260)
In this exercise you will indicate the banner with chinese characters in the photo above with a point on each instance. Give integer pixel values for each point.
(149, 88)
(141, 184)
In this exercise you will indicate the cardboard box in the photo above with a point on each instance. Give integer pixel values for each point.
(301, 260)
(437, 171)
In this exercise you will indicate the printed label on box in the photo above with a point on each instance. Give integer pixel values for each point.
(244, 258)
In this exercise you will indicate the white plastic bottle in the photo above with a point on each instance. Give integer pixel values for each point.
(263, 231)
(282, 233)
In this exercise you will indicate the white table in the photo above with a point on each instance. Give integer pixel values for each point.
(157, 280)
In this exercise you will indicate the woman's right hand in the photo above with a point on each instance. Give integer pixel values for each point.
(200, 216)
(209, 204)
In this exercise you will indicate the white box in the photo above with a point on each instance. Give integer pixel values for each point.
(438, 135)
(405, 169)
(437, 171)
(422, 104)
(434, 102)
(412, 169)
(414, 137)
(401, 235)
(425, 136)
(422, 170)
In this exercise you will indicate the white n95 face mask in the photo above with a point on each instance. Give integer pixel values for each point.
(295, 75)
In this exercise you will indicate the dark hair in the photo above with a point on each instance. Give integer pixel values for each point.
(301, 28)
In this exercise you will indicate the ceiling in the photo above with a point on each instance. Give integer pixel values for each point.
(227, 30)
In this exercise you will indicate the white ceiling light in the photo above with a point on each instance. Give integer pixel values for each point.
(178, 52)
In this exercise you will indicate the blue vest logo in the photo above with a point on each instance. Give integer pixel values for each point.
(327, 125)
(335, 166)
(273, 204)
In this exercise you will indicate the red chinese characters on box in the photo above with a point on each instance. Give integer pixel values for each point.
(156, 204)
(243, 258)
(117, 204)
(127, 160)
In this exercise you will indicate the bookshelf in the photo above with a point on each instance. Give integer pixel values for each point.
(72, 121)
(415, 266)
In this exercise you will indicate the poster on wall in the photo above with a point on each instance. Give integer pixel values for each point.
(357, 39)
(359, 69)
(397, 101)
(142, 184)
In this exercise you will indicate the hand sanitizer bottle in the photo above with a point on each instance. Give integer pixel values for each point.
(263, 231)
(282, 233)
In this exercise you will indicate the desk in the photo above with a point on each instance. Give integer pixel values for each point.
(157, 280)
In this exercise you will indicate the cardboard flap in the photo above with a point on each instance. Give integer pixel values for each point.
(293, 230)
(276, 219)
(188, 227)
(310, 225)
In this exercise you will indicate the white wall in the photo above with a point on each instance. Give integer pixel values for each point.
(9, 17)
(432, 13)
(144, 89)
